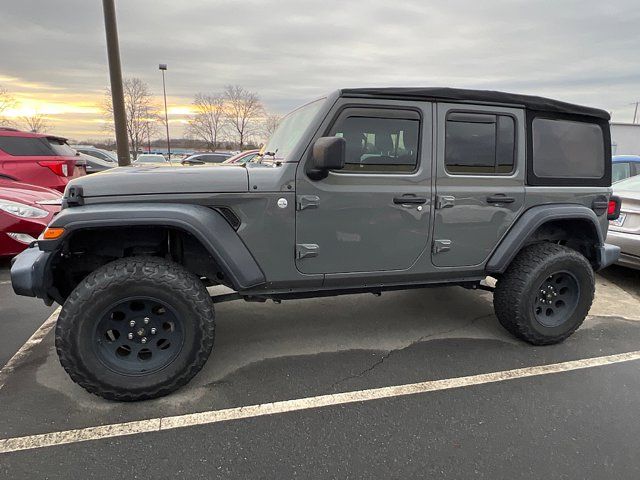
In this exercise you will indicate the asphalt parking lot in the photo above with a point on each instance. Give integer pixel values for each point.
(469, 400)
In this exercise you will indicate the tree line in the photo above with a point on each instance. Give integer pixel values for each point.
(235, 115)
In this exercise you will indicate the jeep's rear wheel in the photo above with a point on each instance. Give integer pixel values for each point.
(545, 294)
(135, 329)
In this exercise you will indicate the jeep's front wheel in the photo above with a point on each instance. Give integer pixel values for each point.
(135, 329)
(545, 293)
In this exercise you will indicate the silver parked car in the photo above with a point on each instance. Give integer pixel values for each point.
(625, 230)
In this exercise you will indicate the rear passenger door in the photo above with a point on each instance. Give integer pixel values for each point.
(480, 172)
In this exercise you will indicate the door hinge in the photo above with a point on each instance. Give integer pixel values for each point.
(440, 246)
(306, 250)
(307, 201)
(445, 201)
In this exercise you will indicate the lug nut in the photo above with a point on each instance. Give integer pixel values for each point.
(130, 336)
(146, 320)
(153, 330)
(144, 340)
(132, 323)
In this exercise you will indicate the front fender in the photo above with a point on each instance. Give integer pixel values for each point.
(207, 225)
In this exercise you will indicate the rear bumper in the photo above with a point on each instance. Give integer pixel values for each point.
(628, 242)
(30, 275)
(607, 255)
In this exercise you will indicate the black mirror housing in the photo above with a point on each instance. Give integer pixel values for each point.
(328, 153)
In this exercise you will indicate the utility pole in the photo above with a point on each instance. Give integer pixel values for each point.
(115, 74)
(163, 68)
(635, 112)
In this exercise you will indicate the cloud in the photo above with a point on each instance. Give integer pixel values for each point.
(293, 50)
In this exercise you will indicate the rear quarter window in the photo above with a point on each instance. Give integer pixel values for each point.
(26, 146)
(566, 151)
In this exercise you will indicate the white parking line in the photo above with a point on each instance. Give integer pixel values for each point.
(34, 340)
(252, 411)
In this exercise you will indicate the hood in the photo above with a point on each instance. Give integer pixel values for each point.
(27, 194)
(152, 179)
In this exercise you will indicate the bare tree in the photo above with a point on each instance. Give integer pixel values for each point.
(6, 102)
(142, 113)
(271, 122)
(243, 111)
(208, 121)
(36, 123)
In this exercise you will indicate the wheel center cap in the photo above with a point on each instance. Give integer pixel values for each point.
(141, 332)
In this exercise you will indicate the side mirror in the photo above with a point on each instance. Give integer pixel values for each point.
(328, 153)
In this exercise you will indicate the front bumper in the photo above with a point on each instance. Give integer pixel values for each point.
(30, 274)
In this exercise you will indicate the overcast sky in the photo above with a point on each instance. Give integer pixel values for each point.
(290, 51)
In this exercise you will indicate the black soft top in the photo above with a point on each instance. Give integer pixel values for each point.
(491, 97)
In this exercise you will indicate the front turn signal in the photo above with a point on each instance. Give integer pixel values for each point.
(52, 233)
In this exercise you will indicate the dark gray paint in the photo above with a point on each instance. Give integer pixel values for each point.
(530, 221)
(367, 232)
(474, 226)
(151, 179)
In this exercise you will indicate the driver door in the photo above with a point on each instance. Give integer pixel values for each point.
(373, 215)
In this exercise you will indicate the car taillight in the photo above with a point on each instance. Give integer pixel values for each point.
(613, 208)
(59, 167)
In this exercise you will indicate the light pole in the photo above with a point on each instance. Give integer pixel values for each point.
(115, 73)
(163, 68)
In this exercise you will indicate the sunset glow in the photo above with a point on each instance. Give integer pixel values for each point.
(72, 115)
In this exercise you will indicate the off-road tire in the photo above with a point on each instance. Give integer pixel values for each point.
(518, 292)
(170, 283)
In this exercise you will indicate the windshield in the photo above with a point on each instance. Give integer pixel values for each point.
(632, 183)
(291, 129)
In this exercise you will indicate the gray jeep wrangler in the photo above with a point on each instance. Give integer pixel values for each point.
(362, 191)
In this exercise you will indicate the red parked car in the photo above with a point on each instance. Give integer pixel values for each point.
(25, 211)
(43, 160)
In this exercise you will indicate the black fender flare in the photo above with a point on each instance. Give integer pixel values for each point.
(206, 224)
(529, 222)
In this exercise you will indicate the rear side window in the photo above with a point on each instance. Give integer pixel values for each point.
(567, 149)
(61, 148)
(380, 143)
(26, 146)
(213, 158)
(479, 144)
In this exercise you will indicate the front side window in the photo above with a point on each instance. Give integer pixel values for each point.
(378, 144)
(213, 158)
(479, 144)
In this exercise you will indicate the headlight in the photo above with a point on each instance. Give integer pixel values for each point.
(21, 210)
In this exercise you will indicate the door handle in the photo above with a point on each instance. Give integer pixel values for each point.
(500, 198)
(409, 200)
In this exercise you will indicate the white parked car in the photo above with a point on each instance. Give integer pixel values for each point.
(150, 158)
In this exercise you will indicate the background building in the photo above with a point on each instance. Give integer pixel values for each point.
(625, 138)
